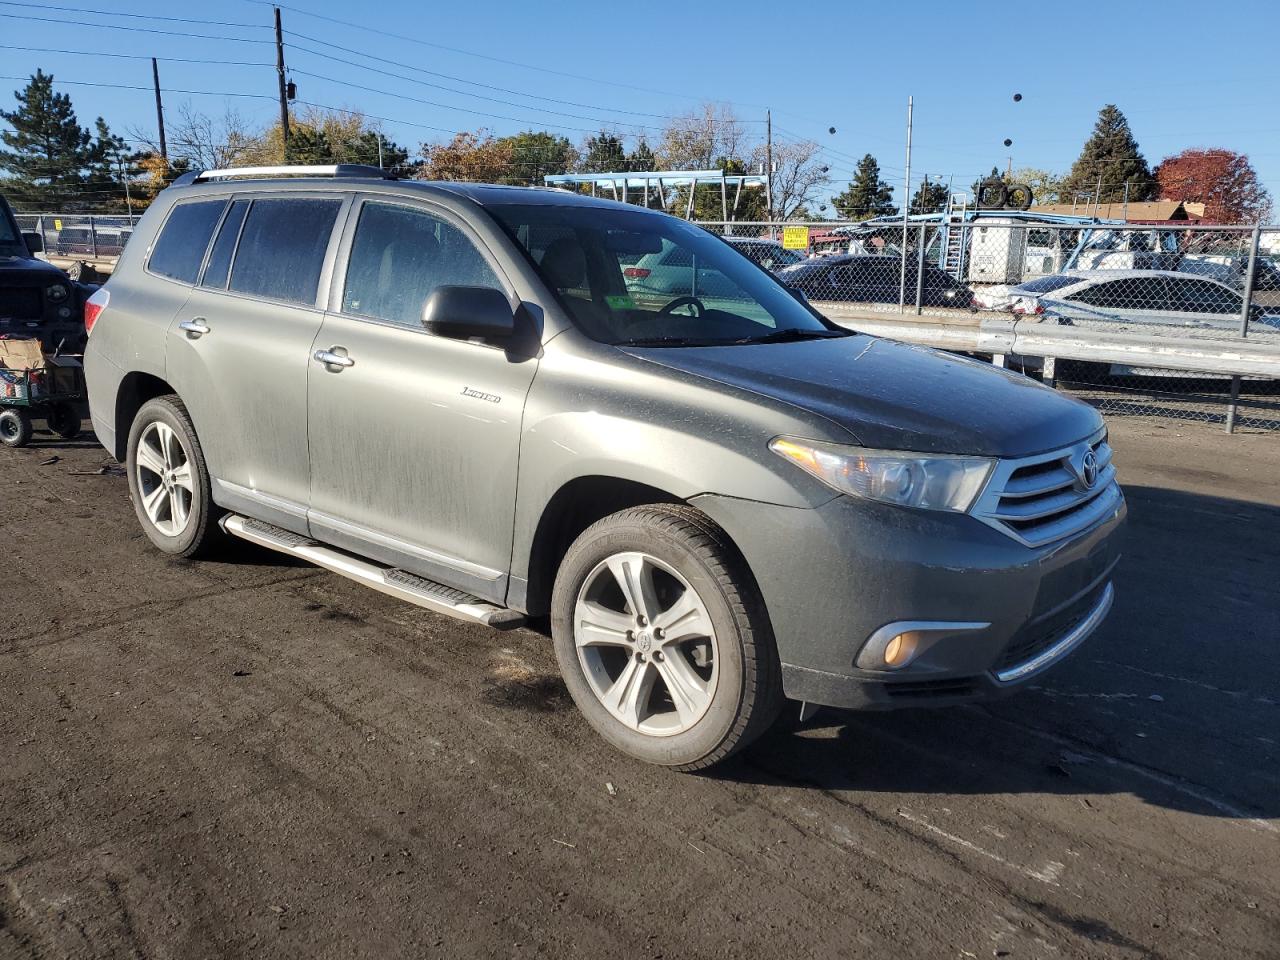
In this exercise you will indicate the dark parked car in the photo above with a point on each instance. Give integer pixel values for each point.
(37, 300)
(769, 254)
(866, 279)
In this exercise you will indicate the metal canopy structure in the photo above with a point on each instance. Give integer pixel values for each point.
(657, 182)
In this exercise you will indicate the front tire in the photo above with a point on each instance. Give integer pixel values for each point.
(662, 638)
(15, 427)
(168, 480)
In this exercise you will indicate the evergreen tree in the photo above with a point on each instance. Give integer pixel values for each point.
(535, 154)
(642, 158)
(603, 153)
(930, 198)
(867, 195)
(55, 163)
(1109, 160)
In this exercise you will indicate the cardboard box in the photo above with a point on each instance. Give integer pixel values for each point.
(21, 354)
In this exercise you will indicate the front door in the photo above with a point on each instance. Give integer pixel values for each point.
(239, 351)
(414, 437)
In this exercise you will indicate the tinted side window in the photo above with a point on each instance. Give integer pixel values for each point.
(282, 246)
(399, 255)
(179, 250)
(1196, 296)
(1146, 293)
(215, 272)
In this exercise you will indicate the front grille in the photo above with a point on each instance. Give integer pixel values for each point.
(1040, 635)
(1044, 498)
(21, 303)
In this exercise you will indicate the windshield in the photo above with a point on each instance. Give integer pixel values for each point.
(10, 242)
(630, 277)
(1048, 284)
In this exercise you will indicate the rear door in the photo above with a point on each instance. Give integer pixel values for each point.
(239, 351)
(415, 443)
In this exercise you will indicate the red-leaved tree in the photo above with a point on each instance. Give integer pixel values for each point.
(1223, 180)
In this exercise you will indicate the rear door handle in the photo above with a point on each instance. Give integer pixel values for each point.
(195, 328)
(332, 359)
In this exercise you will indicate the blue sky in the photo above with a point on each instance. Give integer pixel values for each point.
(1185, 74)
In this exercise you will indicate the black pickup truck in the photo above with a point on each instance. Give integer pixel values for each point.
(37, 300)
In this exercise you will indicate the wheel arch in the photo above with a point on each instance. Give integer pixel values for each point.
(576, 505)
(135, 389)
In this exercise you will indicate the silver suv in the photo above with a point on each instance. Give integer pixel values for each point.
(451, 393)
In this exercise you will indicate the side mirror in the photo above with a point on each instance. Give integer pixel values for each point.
(466, 313)
(34, 242)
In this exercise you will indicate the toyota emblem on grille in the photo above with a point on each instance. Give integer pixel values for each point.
(1089, 470)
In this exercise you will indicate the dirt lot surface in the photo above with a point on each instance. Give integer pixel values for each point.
(254, 759)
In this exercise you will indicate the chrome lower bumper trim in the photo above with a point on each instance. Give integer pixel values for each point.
(1064, 646)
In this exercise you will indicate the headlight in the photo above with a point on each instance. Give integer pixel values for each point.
(57, 293)
(927, 481)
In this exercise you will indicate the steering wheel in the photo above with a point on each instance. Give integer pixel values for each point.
(683, 302)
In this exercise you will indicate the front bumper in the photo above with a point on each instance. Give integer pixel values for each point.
(831, 577)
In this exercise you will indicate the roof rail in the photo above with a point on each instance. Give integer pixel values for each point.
(265, 173)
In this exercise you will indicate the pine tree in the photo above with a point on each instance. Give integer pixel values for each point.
(603, 153)
(1109, 160)
(642, 159)
(54, 162)
(930, 198)
(867, 195)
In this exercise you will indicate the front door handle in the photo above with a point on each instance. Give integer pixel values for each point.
(331, 358)
(195, 328)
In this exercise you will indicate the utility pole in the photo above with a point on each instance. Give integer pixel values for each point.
(906, 212)
(155, 79)
(768, 161)
(128, 199)
(284, 99)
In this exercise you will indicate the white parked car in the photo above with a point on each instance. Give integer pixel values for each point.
(1135, 296)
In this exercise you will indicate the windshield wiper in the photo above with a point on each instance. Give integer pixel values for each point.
(783, 336)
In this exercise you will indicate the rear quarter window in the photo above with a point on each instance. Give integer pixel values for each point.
(179, 250)
(282, 247)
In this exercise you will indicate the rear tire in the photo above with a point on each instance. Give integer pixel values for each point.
(169, 482)
(63, 421)
(693, 679)
(15, 427)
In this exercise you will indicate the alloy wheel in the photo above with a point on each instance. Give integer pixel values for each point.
(646, 644)
(165, 481)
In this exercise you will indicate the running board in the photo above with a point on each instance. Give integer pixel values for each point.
(389, 580)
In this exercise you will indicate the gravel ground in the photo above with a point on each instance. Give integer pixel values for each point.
(252, 758)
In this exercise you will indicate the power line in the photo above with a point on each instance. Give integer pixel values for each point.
(113, 26)
(476, 83)
(132, 56)
(129, 86)
(445, 106)
(481, 56)
(133, 16)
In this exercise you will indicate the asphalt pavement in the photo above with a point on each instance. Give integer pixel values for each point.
(253, 758)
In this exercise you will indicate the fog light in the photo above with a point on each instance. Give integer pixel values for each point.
(899, 651)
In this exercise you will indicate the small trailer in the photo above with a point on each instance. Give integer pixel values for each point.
(35, 386)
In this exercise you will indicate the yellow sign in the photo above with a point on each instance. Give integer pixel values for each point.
(57, 224)
(795, 238)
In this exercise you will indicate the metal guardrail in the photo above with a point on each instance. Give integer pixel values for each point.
(1002, 336)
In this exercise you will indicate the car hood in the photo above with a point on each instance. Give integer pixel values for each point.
(895, 396)
(21, 271)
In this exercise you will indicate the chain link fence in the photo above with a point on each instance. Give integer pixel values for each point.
(73, 236)
(1128, 298)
